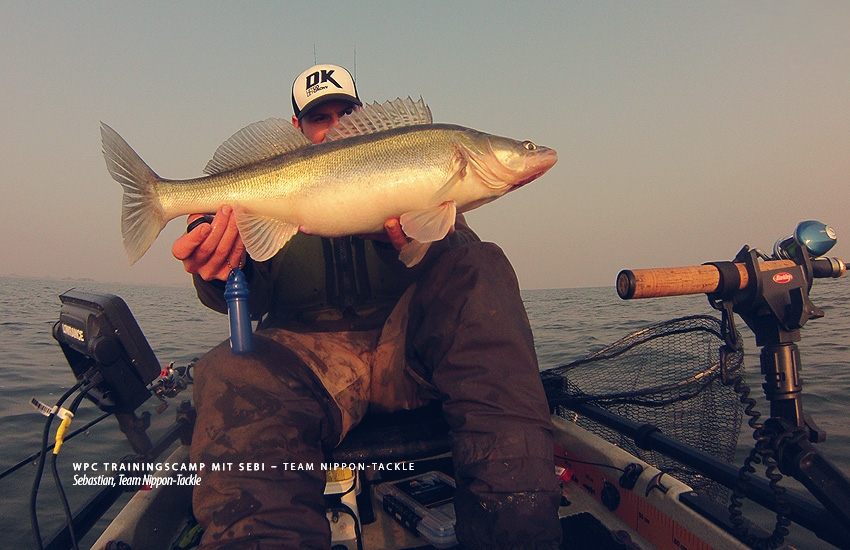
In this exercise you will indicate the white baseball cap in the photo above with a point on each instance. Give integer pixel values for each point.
(322, 83)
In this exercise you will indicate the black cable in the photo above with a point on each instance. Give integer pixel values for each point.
(58, 482)
(761, 453)
(70, 436)
(69, 519)
(40, 471)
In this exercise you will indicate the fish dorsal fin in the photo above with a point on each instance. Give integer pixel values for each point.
(263, 236)
(376, 117)
(258, 141)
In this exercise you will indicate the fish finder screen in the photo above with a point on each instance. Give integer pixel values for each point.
(97, 333)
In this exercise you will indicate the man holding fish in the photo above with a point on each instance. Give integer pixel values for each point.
(378, 311)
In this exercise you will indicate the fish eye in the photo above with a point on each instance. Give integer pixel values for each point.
(529, 145)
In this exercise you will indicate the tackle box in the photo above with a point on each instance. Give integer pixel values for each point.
(424, 504)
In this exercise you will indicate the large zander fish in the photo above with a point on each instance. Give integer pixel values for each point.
(380, 162)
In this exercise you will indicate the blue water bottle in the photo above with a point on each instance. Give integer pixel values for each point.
(236, 293)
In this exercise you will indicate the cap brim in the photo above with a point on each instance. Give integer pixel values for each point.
(328, 97)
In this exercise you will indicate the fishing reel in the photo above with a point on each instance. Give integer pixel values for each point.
(775, 302)
(815, 237)
(171, 382)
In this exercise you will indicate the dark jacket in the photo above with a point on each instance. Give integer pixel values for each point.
(316, 284)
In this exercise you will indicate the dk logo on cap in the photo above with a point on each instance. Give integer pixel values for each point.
(320, 84)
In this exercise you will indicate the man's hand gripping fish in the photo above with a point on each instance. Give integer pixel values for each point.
(381, 162)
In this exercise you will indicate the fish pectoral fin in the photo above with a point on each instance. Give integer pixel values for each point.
(413, 252)
(425, 227)
(263, 236)
(429, 225)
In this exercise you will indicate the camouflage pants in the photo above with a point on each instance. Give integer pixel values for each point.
(460, 335)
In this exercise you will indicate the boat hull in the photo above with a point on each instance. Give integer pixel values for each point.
(650, 514)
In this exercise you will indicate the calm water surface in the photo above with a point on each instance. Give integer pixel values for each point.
(568, 324)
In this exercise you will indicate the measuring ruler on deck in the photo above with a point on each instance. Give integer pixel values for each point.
(655, 526)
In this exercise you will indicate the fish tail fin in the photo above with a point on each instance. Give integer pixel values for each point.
(142, 216)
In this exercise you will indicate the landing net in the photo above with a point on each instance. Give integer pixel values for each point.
(668, 375)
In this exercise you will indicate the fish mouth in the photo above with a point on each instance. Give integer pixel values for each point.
(544, 162)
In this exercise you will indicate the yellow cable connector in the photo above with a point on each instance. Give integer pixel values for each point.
(60, 433)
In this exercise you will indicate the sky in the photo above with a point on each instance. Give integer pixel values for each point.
(684, 130)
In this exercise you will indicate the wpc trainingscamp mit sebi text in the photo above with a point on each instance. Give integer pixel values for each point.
(199, 467)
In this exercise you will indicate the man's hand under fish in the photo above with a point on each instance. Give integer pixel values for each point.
(212, 249)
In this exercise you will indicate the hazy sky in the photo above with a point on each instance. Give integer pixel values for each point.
(684, 129)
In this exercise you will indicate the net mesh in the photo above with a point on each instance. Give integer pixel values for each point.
(667, 375)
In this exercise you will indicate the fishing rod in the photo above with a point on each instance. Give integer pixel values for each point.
(770, 293)
(35, 455)
(173, 381)
(805, 249)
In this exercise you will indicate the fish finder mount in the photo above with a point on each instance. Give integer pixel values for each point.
(106, 348)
